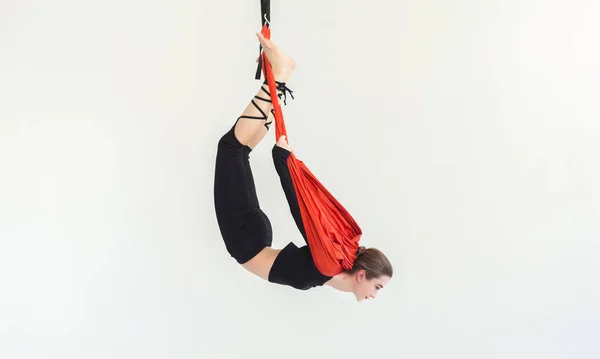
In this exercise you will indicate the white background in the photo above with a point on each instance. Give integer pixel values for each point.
(463, 137)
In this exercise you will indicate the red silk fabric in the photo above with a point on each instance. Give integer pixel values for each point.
(332, 234)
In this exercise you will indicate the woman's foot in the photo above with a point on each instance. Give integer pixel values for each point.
(283, 66)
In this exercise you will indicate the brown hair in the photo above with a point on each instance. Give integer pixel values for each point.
(373, 262)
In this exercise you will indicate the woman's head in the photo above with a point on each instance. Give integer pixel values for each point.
(372, 271)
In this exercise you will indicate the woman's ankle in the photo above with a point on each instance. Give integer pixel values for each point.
(281, 76)
(265, 86)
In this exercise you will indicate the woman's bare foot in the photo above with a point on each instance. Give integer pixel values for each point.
(283, 66)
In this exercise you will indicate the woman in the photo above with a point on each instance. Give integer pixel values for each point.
(246, 229)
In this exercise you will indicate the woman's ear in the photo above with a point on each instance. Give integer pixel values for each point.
(360, 275)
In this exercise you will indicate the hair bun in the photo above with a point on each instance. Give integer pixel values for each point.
(360, 250)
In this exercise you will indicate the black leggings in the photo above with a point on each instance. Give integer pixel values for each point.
(245, 228)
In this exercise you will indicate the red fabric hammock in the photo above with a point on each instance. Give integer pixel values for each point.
(332, 234)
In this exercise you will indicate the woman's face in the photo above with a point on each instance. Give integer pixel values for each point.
(368, 288)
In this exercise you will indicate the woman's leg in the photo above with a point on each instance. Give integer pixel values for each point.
(253, 124)
(246, 230)
(255, 121)
(281, 151)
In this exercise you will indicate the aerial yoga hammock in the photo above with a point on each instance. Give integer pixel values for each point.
(331, 234)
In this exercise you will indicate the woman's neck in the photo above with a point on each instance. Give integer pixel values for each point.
(342, 282)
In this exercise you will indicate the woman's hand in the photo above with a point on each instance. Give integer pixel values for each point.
(283, 143)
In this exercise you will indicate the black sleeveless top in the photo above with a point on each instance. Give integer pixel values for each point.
(295, 267)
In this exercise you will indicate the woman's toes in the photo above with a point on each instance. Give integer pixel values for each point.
(266, 43)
